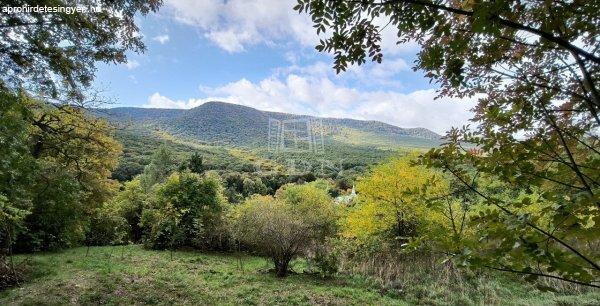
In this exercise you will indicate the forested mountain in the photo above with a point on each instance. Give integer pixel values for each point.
(237, 125)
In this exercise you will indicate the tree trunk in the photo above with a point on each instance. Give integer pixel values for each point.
(281, 267)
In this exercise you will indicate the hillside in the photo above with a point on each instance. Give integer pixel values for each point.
(222, 123)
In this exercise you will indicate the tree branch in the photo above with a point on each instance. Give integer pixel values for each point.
(505, 210)
(508, 23)
(543, 275)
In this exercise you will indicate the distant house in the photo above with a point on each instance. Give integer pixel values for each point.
(345, 199)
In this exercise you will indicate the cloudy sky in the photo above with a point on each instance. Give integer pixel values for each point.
(260, 53)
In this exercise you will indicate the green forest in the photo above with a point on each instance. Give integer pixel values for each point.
(121, 206)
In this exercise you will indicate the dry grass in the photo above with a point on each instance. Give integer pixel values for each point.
(11, 273)
(424, 278)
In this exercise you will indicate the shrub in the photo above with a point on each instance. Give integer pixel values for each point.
(287, 225)
(10, 222)
(186, 210)
(106, 226)
(326, 261)
(130, 203)
(58, 217)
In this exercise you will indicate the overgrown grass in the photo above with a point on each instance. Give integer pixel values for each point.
(426, 279)
(132, 275)
(128, 275)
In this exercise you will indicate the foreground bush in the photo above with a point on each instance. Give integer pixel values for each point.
(106, 226)
(129, 204)
(287, 225)
(186, 210)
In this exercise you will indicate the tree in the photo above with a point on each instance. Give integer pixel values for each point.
(130, 203)
(394, 203)
(55, 53)
(195, 163)
(55, 167)
(11, 219)
(17, 170)
(242, 185)
(127, 170)
(17, 167)
(107, 226)
(534, 67)
(162, 164)
(287, 225)
(186, 210)
(58, 160)
(255, 186)
(73, 155)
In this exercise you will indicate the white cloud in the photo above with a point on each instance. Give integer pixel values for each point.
(367, 74)
(235, 24)
(388, 68)
(311, 90)
(162, 39)
(200, 13)
(132, 64)
(321, 97)
(156, 100)
(231, 40)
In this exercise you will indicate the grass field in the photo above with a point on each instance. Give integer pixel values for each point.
(133, 275)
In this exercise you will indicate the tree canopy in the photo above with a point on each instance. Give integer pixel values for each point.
(393, 201)
(55, 53)
(533, 66)
(56, 164)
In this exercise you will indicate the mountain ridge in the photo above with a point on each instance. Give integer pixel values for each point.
(239, 125)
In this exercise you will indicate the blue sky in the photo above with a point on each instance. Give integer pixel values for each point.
(260, 53)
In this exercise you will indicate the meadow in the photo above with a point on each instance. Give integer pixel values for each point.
(125, 275)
